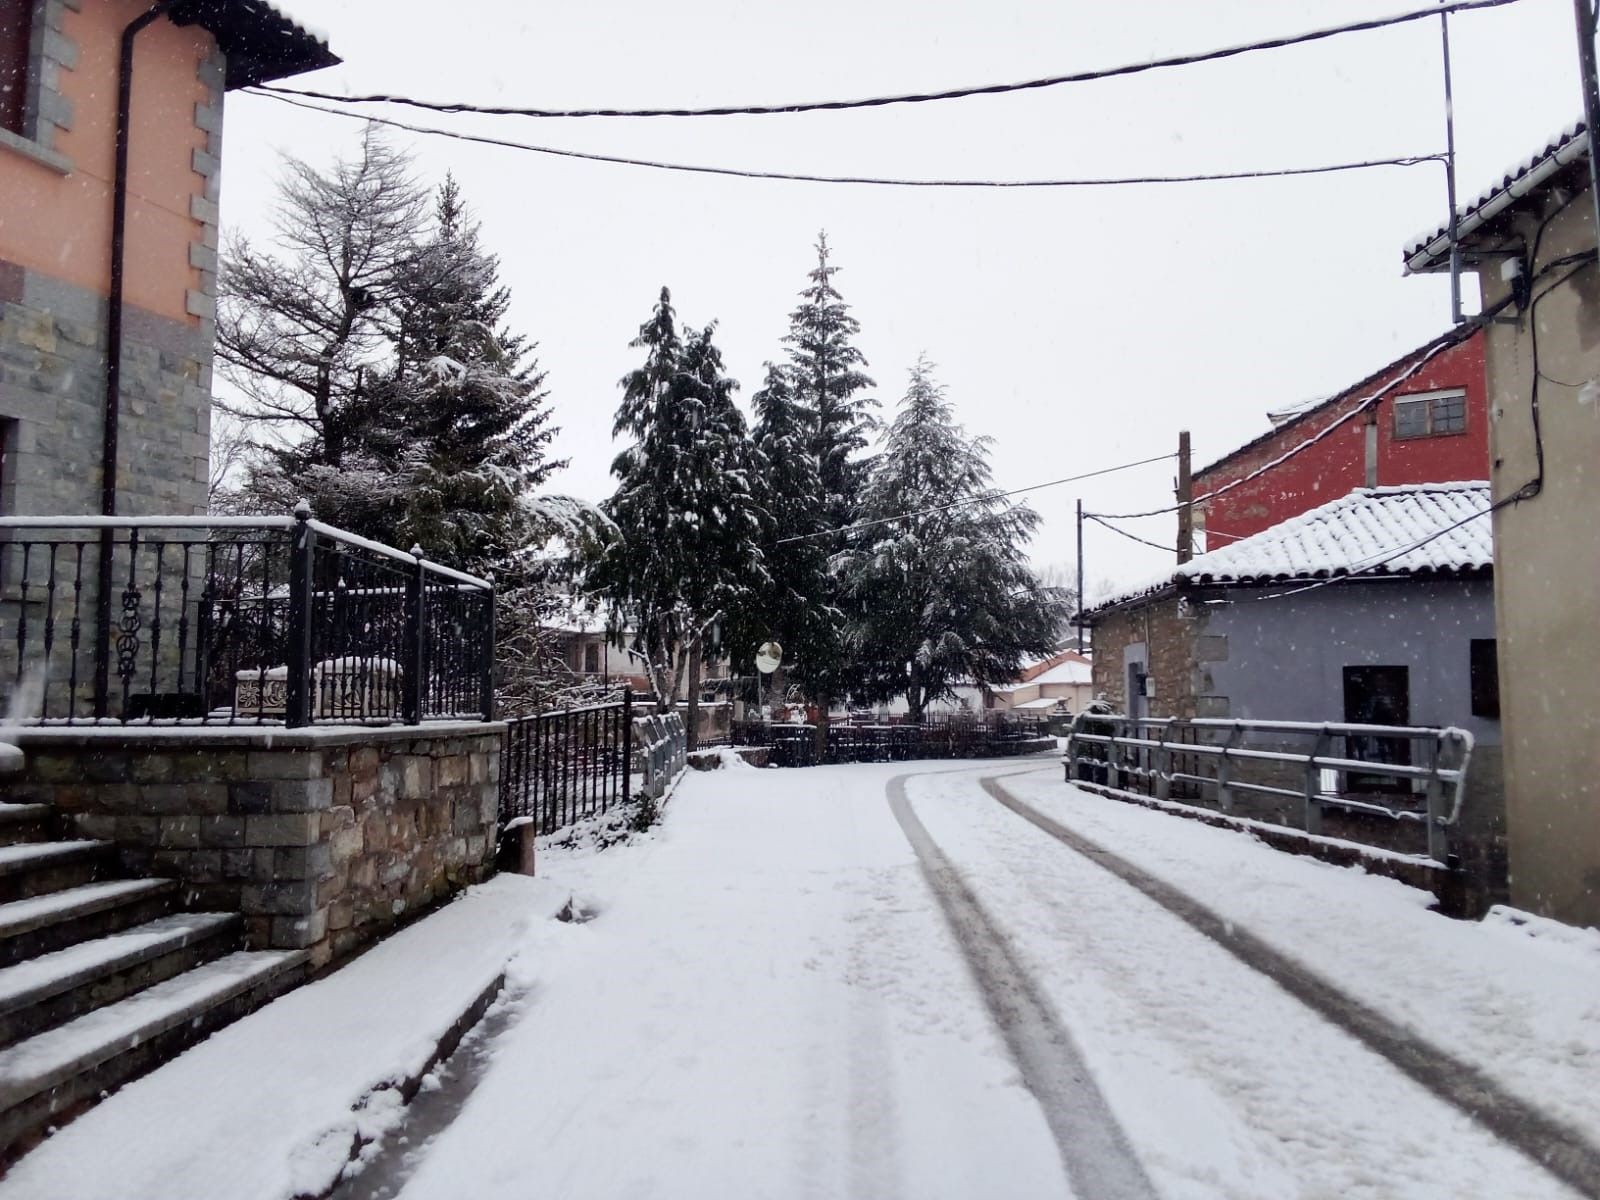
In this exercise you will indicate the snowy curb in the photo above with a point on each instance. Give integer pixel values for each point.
(279, 1104)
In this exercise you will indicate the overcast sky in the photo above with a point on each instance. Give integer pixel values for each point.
(1079, 328)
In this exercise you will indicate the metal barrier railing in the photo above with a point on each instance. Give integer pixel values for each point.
(795, 744)
(559, 767)
(662, 751)
(1408, 774)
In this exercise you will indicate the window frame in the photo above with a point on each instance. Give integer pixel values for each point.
(1429, 402)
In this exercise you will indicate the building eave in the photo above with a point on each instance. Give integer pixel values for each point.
(260, 42)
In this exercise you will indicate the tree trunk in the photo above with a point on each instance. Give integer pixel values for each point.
(692, 707)
(824, 706)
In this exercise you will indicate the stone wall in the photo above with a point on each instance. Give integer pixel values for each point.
(321, 838)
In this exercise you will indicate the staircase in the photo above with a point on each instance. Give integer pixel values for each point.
(103, 978)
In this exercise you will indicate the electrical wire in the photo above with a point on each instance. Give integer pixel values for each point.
(986, 498)
(1132, 537)
(1427, 352)
(1408, 160)
(991, 89)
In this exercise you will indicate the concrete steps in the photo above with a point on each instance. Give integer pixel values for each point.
(102, 979)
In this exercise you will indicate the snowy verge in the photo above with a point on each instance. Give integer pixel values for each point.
(272, 1106)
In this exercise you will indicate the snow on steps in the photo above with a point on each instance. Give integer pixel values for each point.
(67, 983)
(34, 868)
(54, 1071)
(39, 924)
(25, 822)
(274, 1105)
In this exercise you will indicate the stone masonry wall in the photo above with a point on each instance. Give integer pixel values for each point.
(322, 840)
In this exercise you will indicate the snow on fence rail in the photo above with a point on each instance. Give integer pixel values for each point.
(1404, 775)
(234, 620)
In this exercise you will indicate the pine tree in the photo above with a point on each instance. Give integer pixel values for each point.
(828, 383)
(464, 406)
(687, 520)
(945, 595)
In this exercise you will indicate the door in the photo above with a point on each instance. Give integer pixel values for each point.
(1377, 696)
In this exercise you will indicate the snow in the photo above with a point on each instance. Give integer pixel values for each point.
(1399, 530)
(11, 760)
(270, 1106)
(1517, 180)
(20, 915)
(1067, 672)
(50, 973)
(765, 997)
(1517, 1000)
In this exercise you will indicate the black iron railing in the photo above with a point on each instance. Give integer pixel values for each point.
(230, 620)
(953, 736)
(559, 767)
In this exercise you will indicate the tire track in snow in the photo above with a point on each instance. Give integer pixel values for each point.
(1553, 1145)
(1093, 1147)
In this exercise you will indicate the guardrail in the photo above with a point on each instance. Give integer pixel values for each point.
(1408, 774)
(229, 620)
(559, 767)
(662, 752)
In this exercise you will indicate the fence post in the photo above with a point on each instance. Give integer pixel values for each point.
(1162, 759)
(486, 678)
(411, 650)
(1225, 770)
(302, 581)
(1438, 834)
(1313, 784)
(627, 742)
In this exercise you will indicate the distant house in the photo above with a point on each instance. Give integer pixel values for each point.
(1531, 240)
(1267, 629)
(1402, 424)
(59, 256)
(1062, 682)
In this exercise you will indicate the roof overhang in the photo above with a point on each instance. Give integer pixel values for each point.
(261, 42)
(1481, 233)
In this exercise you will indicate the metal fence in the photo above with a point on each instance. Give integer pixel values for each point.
(1396, 775)
(795, 745)
(559, 767)
(229, 620)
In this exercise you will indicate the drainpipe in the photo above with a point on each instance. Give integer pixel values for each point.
(108, 454)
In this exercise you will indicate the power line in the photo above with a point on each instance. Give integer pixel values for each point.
(987, 497)
(992, 89)
(1428, 352)
(1410, 160)
(1132, 537)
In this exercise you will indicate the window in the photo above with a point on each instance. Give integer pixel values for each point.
(591, 658)
(1485, 679)
(16, 27)
(1430, 416)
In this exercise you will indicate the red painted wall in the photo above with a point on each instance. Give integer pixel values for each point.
(1337, 463)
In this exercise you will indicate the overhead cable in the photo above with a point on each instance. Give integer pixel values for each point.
(991, 89)
(1410, 160)
(985, 498)
(1132, 537)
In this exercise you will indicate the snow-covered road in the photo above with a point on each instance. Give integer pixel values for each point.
(798, 988)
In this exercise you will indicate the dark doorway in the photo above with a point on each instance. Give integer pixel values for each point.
(1377, 696)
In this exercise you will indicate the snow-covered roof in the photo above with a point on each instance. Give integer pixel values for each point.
(262, 39)
(1431, 250)
(1065, 672)
(1039, 705)
(1415, 529)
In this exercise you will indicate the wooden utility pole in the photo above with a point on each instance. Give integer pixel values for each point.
(1585, 10)
(1185, 501)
